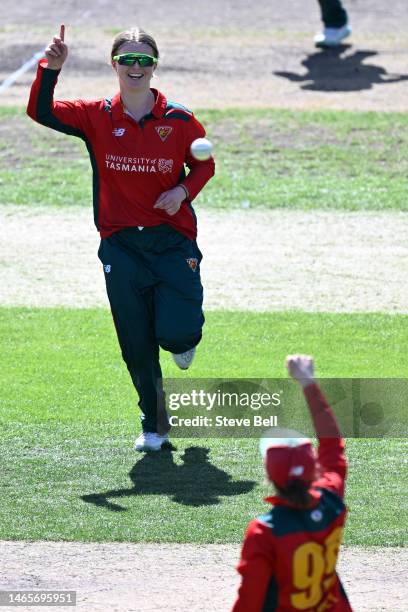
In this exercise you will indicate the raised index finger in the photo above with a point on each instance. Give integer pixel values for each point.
(62, 32)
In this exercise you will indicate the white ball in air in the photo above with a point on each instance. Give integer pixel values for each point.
(201, 149)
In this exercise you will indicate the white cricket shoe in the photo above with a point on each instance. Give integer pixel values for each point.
(332, 37)
(150, 441)
(184, 360)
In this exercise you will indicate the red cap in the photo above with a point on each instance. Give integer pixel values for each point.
(289, 459)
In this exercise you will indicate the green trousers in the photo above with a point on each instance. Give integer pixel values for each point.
(154, 288)
(333, 13)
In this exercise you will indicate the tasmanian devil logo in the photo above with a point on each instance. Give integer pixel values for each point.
(193, 263)
(165, 165)
(163, 131)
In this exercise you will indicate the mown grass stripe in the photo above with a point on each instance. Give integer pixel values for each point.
(68, 417)
(266, 158)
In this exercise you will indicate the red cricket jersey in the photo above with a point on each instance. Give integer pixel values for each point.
(133, 162)
(289, 555)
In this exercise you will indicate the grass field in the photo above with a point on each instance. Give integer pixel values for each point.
(68, 411)
(328, 160)
(68, 418)
(304, 219)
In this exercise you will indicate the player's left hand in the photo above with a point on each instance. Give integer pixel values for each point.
(171, 200)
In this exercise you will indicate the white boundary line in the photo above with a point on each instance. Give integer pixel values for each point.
(26, 66)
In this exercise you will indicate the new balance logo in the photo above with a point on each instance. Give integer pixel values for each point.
(118, 131)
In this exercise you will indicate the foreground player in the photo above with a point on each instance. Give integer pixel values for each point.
(139, 144)
(289, 555)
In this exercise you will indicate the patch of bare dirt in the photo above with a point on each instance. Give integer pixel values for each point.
(272, 260)
(241, 55)
(179, 578)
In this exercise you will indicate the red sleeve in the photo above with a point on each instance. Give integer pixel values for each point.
(331, 445)
(200, 171)
(63, 116)
(256, 568)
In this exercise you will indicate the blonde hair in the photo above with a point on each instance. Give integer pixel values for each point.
(134, 35)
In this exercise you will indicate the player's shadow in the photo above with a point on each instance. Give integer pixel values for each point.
(194, 483)
(334, 70)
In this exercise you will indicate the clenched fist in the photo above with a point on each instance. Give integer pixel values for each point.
(301, 368)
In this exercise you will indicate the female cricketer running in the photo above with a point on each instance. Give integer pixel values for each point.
(289, 555)
(139, 144)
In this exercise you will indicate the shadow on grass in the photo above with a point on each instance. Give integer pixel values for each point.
(194, 483)
(334, 70)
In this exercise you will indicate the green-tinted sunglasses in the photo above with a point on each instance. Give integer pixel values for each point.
(130, 59)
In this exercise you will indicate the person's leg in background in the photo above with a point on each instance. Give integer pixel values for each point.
(335, 21)
(333, 13)
(130, 291)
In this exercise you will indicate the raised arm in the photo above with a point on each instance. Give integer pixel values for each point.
(57, 51)
(64, 116)
(331, 455)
